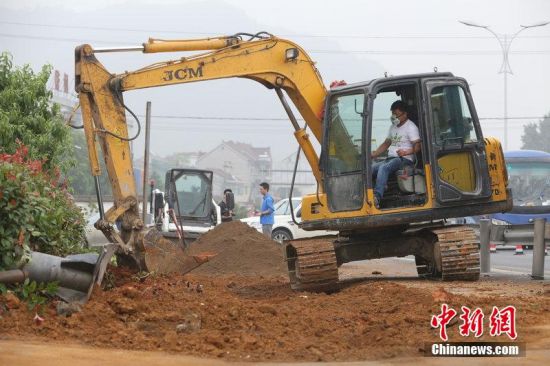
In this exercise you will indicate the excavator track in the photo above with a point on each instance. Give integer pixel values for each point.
(312, 266)
(456, 255)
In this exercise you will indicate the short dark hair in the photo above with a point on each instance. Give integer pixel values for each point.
(399, 104)
(227, 190)
(265, 186)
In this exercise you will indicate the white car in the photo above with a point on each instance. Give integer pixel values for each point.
(284, 228)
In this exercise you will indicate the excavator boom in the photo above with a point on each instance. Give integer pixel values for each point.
(275, 63)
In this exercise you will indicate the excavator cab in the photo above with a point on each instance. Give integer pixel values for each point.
(452, 145)
(449, 175)
(456, 172)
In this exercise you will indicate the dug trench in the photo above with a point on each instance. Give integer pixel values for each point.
(239, 306)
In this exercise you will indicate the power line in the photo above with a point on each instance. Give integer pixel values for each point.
(367, 52)
(74, 40)
(500, 118)
(429, 52)
(282, 35)
(236, 118)
(219, 118)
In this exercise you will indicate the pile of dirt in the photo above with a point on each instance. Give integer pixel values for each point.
(240, 250)
(245, 318)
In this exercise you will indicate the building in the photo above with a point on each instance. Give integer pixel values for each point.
(65, 97)
(238, 166)
(281, 177)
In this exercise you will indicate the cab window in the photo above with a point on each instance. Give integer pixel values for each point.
(192, 195)
(344, 152)
(345, 134)
(452, 120)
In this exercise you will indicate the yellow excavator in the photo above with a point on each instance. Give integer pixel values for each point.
(457, 171)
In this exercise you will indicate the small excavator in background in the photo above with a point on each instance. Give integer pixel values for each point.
(185, 209)
(458, 172)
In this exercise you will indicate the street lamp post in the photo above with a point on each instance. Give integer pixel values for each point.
(505, 41)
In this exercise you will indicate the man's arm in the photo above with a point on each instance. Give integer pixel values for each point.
(270, 208)
(416, 148)
(385, 145)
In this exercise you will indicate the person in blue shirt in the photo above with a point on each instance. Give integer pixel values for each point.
(267, 213)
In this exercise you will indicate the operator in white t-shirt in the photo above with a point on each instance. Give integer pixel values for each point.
(402, 143)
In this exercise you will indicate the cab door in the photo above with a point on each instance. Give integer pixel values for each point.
(344, 152)
(459, 161)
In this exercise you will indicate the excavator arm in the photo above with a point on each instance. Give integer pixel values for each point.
(275, 63)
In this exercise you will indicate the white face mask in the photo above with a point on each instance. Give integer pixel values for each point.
(394, 120)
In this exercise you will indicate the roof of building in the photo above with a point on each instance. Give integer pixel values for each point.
(226, 176)
(251, 152)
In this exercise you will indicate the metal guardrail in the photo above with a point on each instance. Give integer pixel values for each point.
(542, 229)
(541, 232)
(484, 245)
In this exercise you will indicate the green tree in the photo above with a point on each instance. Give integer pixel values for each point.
(36, 213)
(28, 115)
(536, 135)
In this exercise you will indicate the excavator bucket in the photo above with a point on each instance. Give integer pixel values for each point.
(161, 255)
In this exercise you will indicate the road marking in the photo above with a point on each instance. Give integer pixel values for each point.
(499, 269)
(515, 271)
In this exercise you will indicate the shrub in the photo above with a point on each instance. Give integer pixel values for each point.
(35, 212)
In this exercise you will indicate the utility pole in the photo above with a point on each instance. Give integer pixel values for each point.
(505, 41)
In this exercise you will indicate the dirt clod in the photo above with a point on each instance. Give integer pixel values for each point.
(191, 322)
(440, 295)
(123, 306)
(248, 340)
(11, 300)
(317, 352)
(130, 292)
(267, 309)
(67, 309)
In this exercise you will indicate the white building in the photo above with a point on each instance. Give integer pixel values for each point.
(240, 167)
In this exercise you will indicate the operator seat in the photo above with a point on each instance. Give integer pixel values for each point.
(412, 179)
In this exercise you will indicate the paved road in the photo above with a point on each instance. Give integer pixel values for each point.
(506, 261)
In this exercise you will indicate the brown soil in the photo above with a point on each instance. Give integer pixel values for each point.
(238, 317)
(241, 250)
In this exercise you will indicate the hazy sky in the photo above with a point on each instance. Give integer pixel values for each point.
(351, 40)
